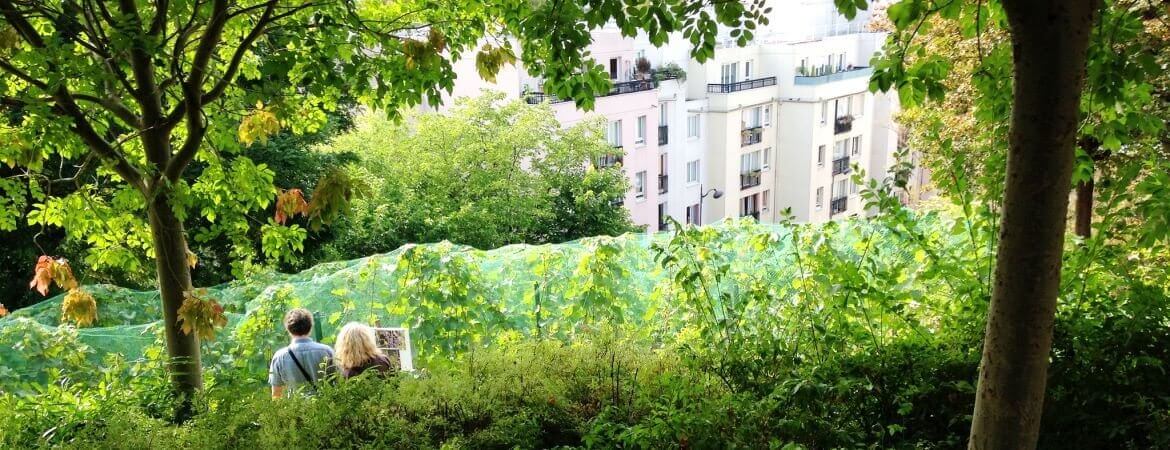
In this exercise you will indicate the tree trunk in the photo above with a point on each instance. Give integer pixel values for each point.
(1049, 41)
(1084, 208)
(174, 279)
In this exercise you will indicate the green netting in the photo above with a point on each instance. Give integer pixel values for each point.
(450, 296)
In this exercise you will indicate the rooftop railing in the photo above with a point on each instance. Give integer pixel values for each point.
(727, 88)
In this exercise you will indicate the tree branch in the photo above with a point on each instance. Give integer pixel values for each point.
(143, 67)
(66, 105)
(115, 107)
(192, 105)
(245, 45)
(159, 24)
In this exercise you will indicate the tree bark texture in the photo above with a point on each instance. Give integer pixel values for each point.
(174, 280)
(1084, 209)
(1049, 41)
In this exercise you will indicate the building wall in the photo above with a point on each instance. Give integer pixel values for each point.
(792, 136)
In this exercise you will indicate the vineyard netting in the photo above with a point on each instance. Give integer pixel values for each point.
(454, 298)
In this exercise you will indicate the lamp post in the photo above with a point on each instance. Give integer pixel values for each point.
(714, 193)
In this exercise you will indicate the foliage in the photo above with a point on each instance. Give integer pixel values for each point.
(201, 315)
(493, 173)
(133, 98)
(606, 393)
(669, 71)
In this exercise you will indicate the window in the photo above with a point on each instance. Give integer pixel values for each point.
(613, 68)
(662, 114)
(640, 184)
(641, 53)
(693, 126)
(640, 138)
(840, 62)
(841, 189)
(615, 133)
(751, 117)
(662, 224)
(824, 112)
(768, 116)
(840, 149)
(764, 200)
(821, 155)
(853, 188)
(747, 70)
(767, 158)
(693, 172)
(729, 73)
(693, 214)
(856, 145)
(820, 198)
(749, 206)
(860, 106)
(749, 162)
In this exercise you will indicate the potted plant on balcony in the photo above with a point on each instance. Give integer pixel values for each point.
(669, 71)
(642, 68)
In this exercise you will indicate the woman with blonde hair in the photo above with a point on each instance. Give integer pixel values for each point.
(357, 351)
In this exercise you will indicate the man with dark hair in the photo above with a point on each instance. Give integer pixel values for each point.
(303, 363)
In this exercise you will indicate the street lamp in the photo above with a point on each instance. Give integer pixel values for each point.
(714, 193)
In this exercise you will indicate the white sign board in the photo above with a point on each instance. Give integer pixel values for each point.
(395, 343)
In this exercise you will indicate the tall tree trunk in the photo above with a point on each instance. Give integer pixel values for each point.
(1084, 208)
(174, 280)
(1049, 42)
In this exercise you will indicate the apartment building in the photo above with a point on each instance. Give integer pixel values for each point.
(781, 124)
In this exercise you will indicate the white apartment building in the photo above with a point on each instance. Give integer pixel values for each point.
(779, 124)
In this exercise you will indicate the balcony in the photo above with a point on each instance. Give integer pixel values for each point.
(843, 124)
(841, 165)
(662, 184)
(838, 205)
(752, 214)
(536, 98)
(611, 159)
(815, 77)
(728, 88)
(752, 136)
(625, 87)
(749, 179)
(663, 135)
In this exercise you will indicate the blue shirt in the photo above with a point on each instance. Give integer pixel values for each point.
(315, 358)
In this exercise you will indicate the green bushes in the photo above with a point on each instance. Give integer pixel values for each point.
(617, 395)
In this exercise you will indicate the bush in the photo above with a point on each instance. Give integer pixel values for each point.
(607, 395)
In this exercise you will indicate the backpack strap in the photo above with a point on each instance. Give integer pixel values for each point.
(305, 373)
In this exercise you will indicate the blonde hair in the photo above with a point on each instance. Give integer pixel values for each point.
(355, 345)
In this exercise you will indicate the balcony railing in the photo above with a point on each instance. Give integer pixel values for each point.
(752, 136)
(663, 135)
(625, 87)
(838, 205)
(753, 214)
(815, 76)
(727, 88)
(843, 124)
(841, 165)
(611, 159)
(536, 98)
(749, 179)
(662, 184)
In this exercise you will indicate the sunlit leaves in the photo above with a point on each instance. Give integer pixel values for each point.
(49, 271)
(490, 59)
(290, 203)
(331, 196)
(200, 314)
(258, 125)
(79, 307)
